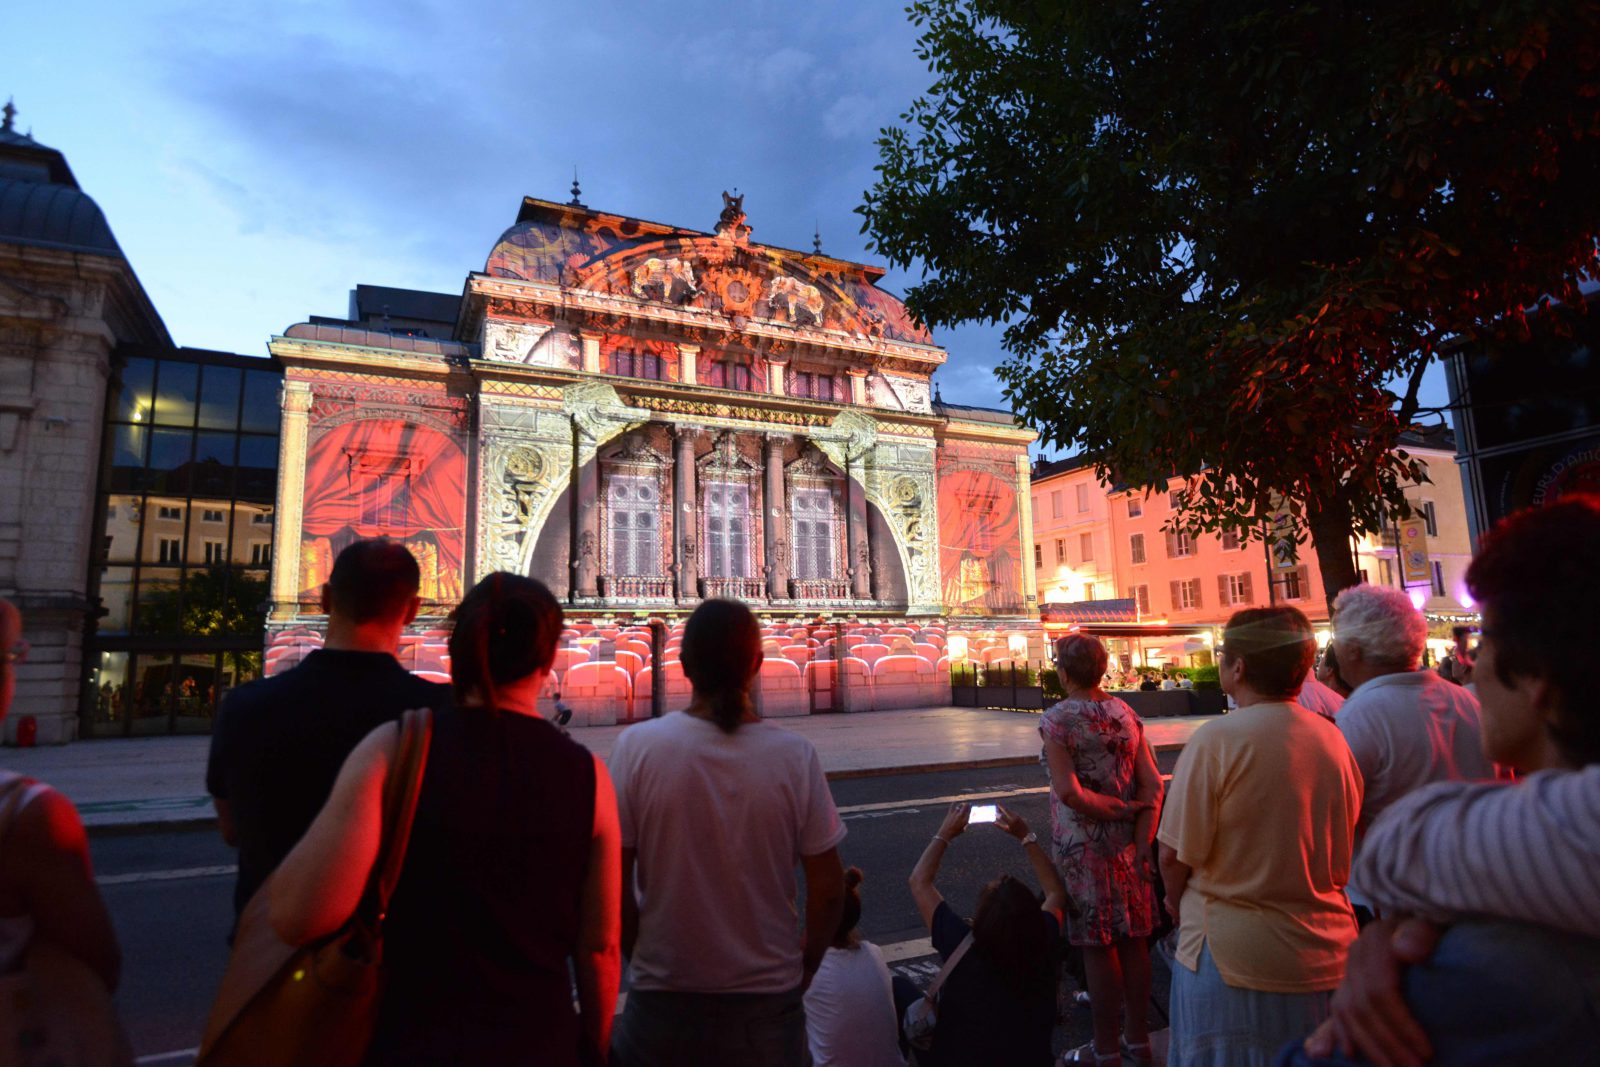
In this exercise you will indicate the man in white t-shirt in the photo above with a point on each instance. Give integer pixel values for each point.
(1406, 727)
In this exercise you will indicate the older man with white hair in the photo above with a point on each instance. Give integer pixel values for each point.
(1406, 727)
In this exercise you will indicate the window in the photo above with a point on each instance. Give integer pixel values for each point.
(170, 512)
(727, 537)
(1088, 590)
(170, 550)
(1061, 550)
(632, 505)
(1038, 555)
(1083, 497)
(811, 513)
(814, 386)
(382, 485)
(633, 364)
(1136, 547)
(726, 374)
(1135, 507)
(1234, 589)
(1431, 518)
(1438, 577)
(1385, 572)
(1086, 546)
(261, 518)
(1175, 499)
(1186, 595)
(260, 554)
(1293, 587)
(1140, 595)
(211, 515)
(216, 552)
(1179, 544)
(1055, 504)
(1230, 540)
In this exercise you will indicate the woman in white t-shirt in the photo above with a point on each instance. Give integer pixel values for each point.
(850, 1017)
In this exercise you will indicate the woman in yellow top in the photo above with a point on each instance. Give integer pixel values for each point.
(1255, 852)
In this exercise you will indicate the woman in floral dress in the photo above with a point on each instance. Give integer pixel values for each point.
(1105, 793)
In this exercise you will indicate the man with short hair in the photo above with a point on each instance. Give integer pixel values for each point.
(279, 742)
(1406, 727)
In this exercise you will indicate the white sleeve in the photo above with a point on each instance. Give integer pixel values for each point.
(1453, 849)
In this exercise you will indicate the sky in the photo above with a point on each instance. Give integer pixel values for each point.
(256, 161)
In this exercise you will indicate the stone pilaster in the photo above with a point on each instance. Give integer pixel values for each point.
(289, 514)
(688, 357)
(777, 367)
(685, 528)
(858, 385)
(586, 494)
(856, 520)
(776, 522)
(1030, 580)
(590, 345)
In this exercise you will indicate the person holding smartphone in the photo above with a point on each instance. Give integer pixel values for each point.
(998, 1003)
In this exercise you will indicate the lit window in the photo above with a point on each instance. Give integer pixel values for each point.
(811, 515)
(1136, 547)
(633, 503)
(1140, 595)
(727, 537)
(1088, 590)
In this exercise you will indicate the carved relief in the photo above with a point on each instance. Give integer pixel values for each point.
(522, 481)
(911, 394)
(511, 342)
(599, 414)
(794, 301)
(670, 280)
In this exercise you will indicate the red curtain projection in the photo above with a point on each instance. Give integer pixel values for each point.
(978, 547)
(386, 478)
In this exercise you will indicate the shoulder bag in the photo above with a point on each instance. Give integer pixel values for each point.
(922, 1014)
(54, 1010)
(316, 1005)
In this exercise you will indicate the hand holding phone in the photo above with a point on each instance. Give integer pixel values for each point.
(984, 813)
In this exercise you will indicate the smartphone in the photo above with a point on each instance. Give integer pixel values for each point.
(984, 813)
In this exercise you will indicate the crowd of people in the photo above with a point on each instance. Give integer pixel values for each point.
(1400, 874)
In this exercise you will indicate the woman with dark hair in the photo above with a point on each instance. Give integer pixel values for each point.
(1104, 789)
(718, 809)
(513, 868)
(850, 1014)
(997, 1004)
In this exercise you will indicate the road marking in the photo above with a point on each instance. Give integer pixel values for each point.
(167, 876)
(183, 1054)
(890, 805)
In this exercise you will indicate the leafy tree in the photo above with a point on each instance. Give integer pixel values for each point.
(1227, 238)
(208, 602)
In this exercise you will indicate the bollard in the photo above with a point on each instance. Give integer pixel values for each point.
(27, 731)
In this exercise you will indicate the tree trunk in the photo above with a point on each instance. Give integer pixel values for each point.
(1329, 516)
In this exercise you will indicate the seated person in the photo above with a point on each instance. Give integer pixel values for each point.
(1516, 977)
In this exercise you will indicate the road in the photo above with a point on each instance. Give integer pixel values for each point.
(169, 894)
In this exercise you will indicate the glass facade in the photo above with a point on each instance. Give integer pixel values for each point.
(187, 487)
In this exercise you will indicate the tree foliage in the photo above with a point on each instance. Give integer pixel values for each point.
(209, 602)
(1227, 238)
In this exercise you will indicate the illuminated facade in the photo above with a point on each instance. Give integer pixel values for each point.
(642, 416)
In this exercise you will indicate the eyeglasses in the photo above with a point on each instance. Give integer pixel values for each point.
(17, 653)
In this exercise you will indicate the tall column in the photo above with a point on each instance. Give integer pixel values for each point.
(776, 521)
(684, 528)
(688, 357)
(776, 367)
(586, 496)
(291, 498)
(858, 385)
(1030, 580)
(856, 523)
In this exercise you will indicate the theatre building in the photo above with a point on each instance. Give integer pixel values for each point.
(642, 416)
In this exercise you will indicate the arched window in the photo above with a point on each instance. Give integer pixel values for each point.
(633, 503)
(727, 529)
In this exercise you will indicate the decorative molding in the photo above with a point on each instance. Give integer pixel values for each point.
(521, 480)
(710, 409)
(912, 392)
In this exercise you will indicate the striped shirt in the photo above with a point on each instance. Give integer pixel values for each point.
(1529, 851)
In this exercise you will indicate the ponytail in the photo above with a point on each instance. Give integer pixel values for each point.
(721, 655)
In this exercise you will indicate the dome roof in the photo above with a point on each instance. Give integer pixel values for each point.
(40, 202)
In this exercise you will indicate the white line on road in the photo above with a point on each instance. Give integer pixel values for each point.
(890, 805)
(167, 876)
(183, 1055)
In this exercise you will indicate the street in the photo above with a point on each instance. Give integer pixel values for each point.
(169, 893)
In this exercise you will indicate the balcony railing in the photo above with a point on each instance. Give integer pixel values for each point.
(733, 588)
(628, 586)
(819, 589)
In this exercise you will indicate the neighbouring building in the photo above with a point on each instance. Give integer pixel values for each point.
(1105, 562)
(68, 300)
(641, 416)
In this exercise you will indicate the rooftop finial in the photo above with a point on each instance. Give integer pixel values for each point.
(816, 238)
(10, 113)
(937, 399)
(577, 193)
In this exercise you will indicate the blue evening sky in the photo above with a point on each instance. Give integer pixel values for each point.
(258, 160)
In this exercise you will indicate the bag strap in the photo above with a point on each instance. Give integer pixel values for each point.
(400, 795)
(932, 992)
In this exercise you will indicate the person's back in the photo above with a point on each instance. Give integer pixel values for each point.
(1408, 729)
(718, 821)
(279, 742)
(486, 912)
(850, 1011)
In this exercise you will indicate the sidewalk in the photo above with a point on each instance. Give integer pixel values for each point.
(154, 783)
